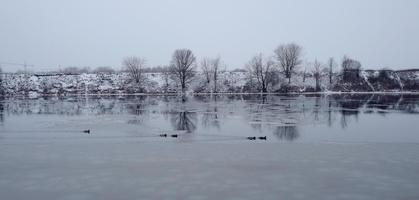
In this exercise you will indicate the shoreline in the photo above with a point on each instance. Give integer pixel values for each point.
(217, 94)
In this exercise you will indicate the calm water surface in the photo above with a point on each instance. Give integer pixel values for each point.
(348, 118)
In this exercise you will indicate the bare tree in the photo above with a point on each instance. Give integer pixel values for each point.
(350, 68)
(1, 81)
(206, 69)
(331, 65)
(262, 70)
(183, 67)
(166, 76)
(289, 57)
(216, 65)
(306, 66)
(304, 74)
(317, 72)
(211, 68)
(134, 66)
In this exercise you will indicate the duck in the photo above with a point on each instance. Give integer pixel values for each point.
(262, 138)
(251, 138)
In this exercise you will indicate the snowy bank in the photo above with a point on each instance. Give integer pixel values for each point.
(229, 82)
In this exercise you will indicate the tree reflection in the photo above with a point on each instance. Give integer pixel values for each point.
(184, 121)
(384, 102)
(316, 109)
(211, 118)
(138, 107)
(1, 110)
(289, 133)
(263, 112)
(329, 113)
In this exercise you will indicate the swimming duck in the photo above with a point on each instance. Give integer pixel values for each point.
(251, 138)
(262, 138)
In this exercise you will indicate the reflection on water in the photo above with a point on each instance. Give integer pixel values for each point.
(1, 110)
(289, 133)
(183, 121)
(287, 118)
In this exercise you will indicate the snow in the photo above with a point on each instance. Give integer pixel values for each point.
(399, 81)
(364, 76)
(229, 82)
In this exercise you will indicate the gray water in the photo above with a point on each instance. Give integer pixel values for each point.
(318, 147)
(346, 118)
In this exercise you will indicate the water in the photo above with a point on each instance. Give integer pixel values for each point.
(358, 146)
(346, 118)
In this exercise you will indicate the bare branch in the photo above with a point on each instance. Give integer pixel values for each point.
(262, 70)
(331, 64)
(134, 66)
(289, 57)
(317, 70)
(183, 67)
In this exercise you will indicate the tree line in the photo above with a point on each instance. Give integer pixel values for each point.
(263, 71)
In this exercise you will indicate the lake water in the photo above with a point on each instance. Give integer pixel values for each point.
(362, 118)
(349, 146)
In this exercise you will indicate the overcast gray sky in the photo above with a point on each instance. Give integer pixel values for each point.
(52, 33)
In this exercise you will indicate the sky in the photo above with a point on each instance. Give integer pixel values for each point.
(53, 34)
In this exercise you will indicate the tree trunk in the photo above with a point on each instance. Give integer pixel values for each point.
(183, 85)
(317, 85)
(215, 85)
(330, 78)
(264, 89)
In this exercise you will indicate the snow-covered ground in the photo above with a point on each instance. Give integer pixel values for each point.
(229, 82)
(116, 83)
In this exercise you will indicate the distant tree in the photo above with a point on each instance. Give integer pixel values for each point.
(182, 67)
(211, 68)
(239, 70)
(206, 69)
(1, 81)
(216, 65)
(350, 69)
(134, 67)
(304, 74)
(317, 71)
(165, 71)
(75, 70)
(304, 71)
(331, 65)
(69, 70)
(384, 73)
(156, 69)
(289, 57)
(104, 69)
(262, 70)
